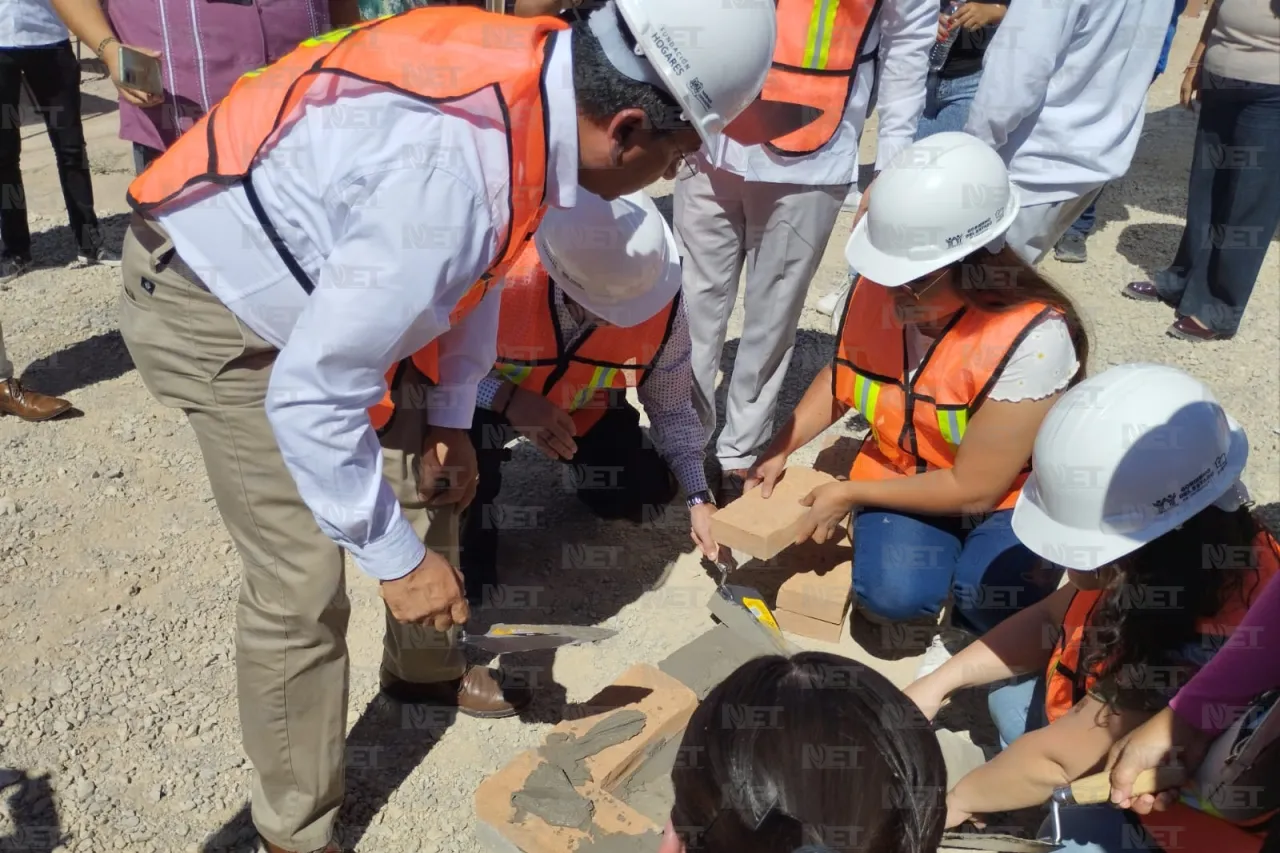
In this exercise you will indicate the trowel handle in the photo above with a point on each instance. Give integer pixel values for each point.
(1097, 788)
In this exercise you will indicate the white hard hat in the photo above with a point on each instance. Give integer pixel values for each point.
(1123, 458)
(711, 57)
(938, 200)
(617, 259)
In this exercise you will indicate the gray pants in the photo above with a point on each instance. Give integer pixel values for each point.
(779, 231)
(1038, 227)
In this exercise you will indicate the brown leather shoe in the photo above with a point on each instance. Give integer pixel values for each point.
(331, 847)
(1187, 329)
(479, 693)
(1143, 291)
(29, 405)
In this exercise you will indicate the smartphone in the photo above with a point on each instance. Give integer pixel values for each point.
(140, 71)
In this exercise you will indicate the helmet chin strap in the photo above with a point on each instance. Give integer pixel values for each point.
(607, 25)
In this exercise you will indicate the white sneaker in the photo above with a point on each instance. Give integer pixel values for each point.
(934, 657)
(827, 304)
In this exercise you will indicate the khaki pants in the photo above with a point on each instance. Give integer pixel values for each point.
(291, 623)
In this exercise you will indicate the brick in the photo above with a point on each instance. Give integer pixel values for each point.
(807, 626)
(818, 595)
(667, 705)
(762, 528)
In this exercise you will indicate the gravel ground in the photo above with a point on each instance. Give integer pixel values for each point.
(117, 706)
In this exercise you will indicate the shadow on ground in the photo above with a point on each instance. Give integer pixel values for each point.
(84, 363)
(37, 827)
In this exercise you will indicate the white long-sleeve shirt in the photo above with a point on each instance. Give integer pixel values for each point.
(903, 33)
(1064, 90)
(393, 208)
(667, 396)
(30, 23)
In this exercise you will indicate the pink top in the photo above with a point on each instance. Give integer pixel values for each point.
(1248, 665)
(205, 45)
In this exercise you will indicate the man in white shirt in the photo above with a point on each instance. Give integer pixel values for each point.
(772, 207)
(1062, 98)
(345, 214)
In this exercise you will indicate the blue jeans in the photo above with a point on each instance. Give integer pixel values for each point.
(905, 567)
(1233, 203)
(946, 105)
(1018, 708)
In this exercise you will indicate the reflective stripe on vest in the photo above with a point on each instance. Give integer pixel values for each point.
(530, 352)
(495, 63)
(819, 50)
(920, 422)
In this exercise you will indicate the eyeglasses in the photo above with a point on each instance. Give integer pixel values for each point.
(913, 287)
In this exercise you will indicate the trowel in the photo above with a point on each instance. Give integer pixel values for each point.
(505, 639)
(1090, 790)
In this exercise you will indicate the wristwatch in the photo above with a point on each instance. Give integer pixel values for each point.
(702, 497)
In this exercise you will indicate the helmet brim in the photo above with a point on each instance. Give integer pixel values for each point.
(893, 271)
(632, 312)
(1089, 550)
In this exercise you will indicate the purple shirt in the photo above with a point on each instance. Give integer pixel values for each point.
(205, 45)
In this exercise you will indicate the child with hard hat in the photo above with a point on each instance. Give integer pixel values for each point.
(953, 354)
(591, 309)
(846, 765)
(1135, 490)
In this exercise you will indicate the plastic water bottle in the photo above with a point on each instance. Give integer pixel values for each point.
(942, 49)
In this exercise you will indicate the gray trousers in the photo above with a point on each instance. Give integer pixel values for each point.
(1038, 227)
(779, 231)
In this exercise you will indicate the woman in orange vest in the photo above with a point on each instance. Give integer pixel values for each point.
(953, 354)
(592, 308)
(1135, 490)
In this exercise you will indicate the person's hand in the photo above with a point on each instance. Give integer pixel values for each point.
(944, 27)
(432, 594)
(700, 531)
(863, 201)
(765, 474)
(137, 97)
(1162, 740)
(957, 816)
(1190, 91)
(548, 426)
(927, 699)
(828, 506)
(449, 469)
(975, 16)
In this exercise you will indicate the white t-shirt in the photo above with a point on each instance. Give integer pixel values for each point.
(1041, 366)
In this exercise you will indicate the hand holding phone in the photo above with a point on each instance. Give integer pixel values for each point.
(140, 70)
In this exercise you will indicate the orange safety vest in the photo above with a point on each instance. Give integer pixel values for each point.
(532, 351)
(918, 423)
(1180, 827)
(435, 55)
(815, 63)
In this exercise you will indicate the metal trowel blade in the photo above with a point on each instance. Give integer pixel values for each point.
(505, 639)
(994, 843)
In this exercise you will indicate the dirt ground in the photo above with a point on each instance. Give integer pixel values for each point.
(117, 582)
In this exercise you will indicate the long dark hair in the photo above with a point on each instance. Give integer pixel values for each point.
(999, 281)
(814, 749)
(1154, 597)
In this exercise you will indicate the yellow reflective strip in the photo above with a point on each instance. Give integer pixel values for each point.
(607, 379)
(328, 38)
(962, 420)
(814, 33)
(952, 423)
(873, 395)
(581, 398)
(828, 30)
(515, 373)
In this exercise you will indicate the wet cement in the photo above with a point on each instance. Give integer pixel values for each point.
(709, 660)
(649, 790)
(619, 842)
(549, 792)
